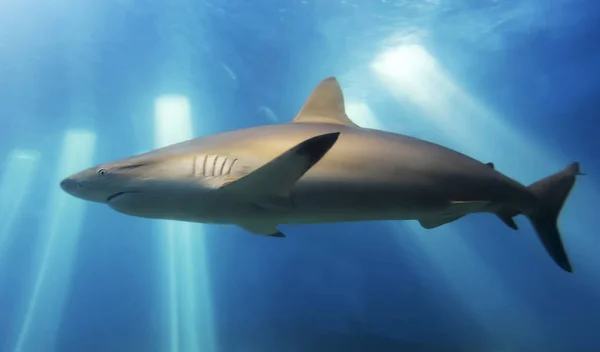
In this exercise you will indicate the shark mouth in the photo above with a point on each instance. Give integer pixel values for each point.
(115, 195)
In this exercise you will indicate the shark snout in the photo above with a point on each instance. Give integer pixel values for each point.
(82, 185)
(70, 185)
(79, 188)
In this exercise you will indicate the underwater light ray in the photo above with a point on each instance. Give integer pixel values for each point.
(169, 231)
(188, 293)
(14, 186)
(188, 287)
(411, 74)
(56, 250)
(443, 246)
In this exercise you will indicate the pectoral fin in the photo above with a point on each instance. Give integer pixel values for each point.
(271, 184)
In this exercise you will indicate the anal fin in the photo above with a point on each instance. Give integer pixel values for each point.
(507, 214)
(508, 221)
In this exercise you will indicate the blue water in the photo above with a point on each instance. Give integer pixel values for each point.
(516, 83)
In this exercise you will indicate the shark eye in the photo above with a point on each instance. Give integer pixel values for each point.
(101, 171)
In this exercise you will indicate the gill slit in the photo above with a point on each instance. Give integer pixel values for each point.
(214, 166)
(204, 165)
(222, 166)
(231, 166)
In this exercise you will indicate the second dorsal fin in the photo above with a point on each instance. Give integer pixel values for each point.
(325, 105)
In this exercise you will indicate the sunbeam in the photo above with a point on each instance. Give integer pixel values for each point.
(411, 74)
(18, 172)
(56, 248)
(188, 289)
(457, 262)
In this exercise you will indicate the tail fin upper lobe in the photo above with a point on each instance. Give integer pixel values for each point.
(552, 192)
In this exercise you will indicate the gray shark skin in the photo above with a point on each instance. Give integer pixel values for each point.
(320, 168)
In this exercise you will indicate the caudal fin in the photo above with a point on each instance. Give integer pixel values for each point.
(552, 192)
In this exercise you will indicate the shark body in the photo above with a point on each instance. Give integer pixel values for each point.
(320, 168)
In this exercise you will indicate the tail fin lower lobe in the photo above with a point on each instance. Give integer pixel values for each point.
(552, 192)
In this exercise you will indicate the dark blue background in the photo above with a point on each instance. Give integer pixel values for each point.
(473, 285)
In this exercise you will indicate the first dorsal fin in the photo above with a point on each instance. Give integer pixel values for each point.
(325, 105)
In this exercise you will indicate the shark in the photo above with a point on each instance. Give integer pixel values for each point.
(321, 167)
